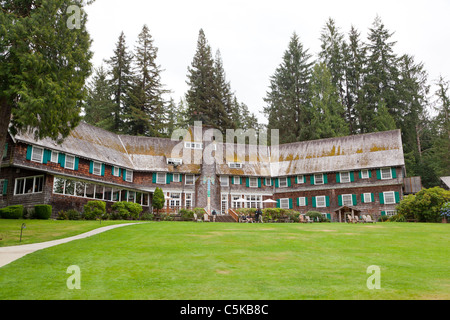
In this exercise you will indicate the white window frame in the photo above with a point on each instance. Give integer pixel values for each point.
(301, 179)
(161, 174)
(367, 197)
(238, 179)
(193, 145)
(345, 177)
(67, 161)
(253, 182)
(224, 181)
(321, 199)
(302, 201)
(390, 213)
(268, 182)
(365, 174)
(188, 200)
(24, 185)
(389, 193)
(54, 157)
(96, 168)
(386, 177)
(116, 172)
(321, 178)
(175, 202)
(35, 157)
(176, 177)
(285, 182)
(128, 175)
(187, 179)
(235, 165)
(347, 199)
(283, 203)
(174, 161)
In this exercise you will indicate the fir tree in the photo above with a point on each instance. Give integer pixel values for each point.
(146, 95)
(120, 82)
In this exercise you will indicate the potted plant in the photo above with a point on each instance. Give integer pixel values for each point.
(445, 212)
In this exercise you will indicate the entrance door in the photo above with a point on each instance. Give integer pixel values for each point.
(224, 207)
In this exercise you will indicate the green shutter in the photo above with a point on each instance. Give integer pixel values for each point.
(362, 198)
(289, 183)
(306, 201)
(329, 216)
(112, 170)
(169, 178)
(298, 202)
(240, 180)
(383, 213)
(370, 173)
(352, 176)
(394, 173)
(296, 179)
(124, 175)
(259, 182)
(181, 178)
(312, 179)
(91, 166)
(338, 177)
(340, 200)
(154, 177)
(360, 174)
(5, 187)
(378, 174)
(277, 183)
(103, 169)
(355, 201)
(327, 198)
(77, 163)
(397, 197)
(381, 198)
(313, 202)
(29, 152)
(278, 203)
(247, 182)
(62, 159)
(47, 156)
(290, 204)
(373, 197)
(325, 178)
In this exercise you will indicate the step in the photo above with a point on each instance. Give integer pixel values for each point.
(224, 218)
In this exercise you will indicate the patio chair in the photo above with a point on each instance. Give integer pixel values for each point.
(196, 219)
(369, 219)
(350, 219)
(206, 217)
(308, 219)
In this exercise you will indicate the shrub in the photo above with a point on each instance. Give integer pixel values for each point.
(186, 215)
(148, 216)
(12, 212)
(126, 210)
(158, 200)
(397, 218)
(42, 211)
(94, 210)
(445, 210)
(62, 215)
(316, 216)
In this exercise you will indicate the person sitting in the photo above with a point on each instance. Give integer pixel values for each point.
(249, 219)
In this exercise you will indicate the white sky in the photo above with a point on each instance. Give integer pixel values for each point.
(252, 35)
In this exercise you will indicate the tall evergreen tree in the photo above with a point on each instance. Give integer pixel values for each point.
(44, 62)
(146, 95)
(99, 108)
(120, 82)
(288, 99)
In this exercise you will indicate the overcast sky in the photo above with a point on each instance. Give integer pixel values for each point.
(252, 35)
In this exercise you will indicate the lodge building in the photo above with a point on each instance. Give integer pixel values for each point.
(363, 172)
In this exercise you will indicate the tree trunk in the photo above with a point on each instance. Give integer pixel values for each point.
(5, 117)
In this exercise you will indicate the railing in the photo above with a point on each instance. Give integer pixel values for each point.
(233, 213)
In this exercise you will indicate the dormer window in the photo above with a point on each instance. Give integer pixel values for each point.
(193, 145)
(174, 162)
(235, 165)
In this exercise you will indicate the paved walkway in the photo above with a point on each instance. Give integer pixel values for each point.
(10, 254)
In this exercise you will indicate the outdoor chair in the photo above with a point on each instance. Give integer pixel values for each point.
(369, 219)
(308, 219)
(350, 219)
(206, 217)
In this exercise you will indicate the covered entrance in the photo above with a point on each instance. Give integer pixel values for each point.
(343, 213)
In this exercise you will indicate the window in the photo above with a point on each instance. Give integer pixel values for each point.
(345, 177)
(253, 183)
(389, 197)
(116, 172)
(367, 197)
(176, 177)
(193, 145)
(391, 213)
(254, 201)
(386, 173)
(224, 181)
(175, 200)
(70, 162)
(302, 202)
(283, 182)
(284, 203)
(190, 179)
(268, 182)
(161, 178)
(347, 200)
(318, 179)
(97, 168)
(54, 157)
(188, 200)
(29, 185)
(37, 154)
(365, 174)
(236, 180)
(129, 175)
(2, 187)
(174, 162)
(300, 179)
(321, 202)
(235, 165)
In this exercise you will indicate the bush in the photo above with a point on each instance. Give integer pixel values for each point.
(42, 211)
(397, 218)
(12, 212)
(317, 216)
(94, 210)
(425, 206)
(148, 216)
(126, 210)
(186, 215)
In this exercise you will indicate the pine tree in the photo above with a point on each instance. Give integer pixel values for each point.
(327, 112)
(99, 108)
(288, 100)
(43, 67)
(146, 94)
(120, 82)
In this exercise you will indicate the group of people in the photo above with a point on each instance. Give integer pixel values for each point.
(248, 218)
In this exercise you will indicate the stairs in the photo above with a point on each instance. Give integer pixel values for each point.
(225, 218)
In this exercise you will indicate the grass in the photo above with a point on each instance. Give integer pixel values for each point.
(44, 230)
(192, 261)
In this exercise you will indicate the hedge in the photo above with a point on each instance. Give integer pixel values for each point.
(12, 212)
(42, 211)
(94, 210)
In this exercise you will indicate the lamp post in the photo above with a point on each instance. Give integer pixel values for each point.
(21, 230)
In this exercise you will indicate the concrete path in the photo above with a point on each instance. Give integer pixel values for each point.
(10, 254)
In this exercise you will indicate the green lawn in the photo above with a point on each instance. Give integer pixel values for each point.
(186, 260)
